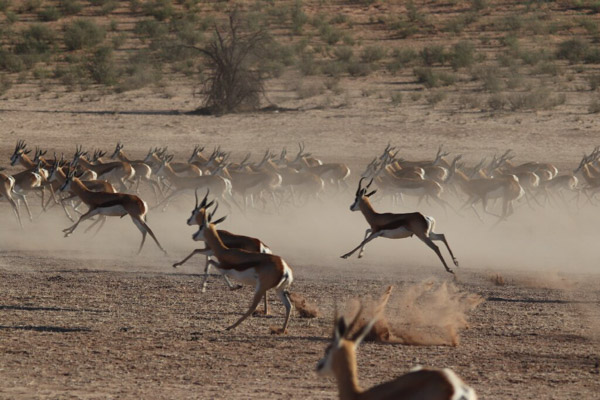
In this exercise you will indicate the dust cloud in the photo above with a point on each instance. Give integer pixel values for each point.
(538, 240)
(424, 314)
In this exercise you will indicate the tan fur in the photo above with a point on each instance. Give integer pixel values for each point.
(268, 269)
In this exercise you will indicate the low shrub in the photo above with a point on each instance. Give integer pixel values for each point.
(82, 33)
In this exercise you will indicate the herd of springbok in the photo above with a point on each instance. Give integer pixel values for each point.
(87, 186)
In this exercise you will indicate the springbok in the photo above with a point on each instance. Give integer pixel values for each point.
(339, 362)
(230, 240)
(109, 204)
(266, 271)
(396, 226)
(142, 170)
(119, 171)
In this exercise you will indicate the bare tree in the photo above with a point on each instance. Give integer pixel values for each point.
(234, 56)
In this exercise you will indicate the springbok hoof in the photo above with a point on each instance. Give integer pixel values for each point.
(278, 331)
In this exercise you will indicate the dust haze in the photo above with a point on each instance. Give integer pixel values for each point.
(537, 241)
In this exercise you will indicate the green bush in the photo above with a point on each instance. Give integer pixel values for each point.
(298, 17)
(574, 50)
(109, 7)
(71, 75)
(371, 54)
(49, 14)
(329, 34)
(11, 62)
(339, 19)
(307, 65)
(356, 68)
(30, 5)
(70, 7)
(36, 39)
(538, 99)
(83, 33)
(400, 59)
(433, 55)
(150, 28)
(159, 9)
(100, 65)
(430, 78)
(343, 53)
(334, 68)
(4, 5)
(463, 55)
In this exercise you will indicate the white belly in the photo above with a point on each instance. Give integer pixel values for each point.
(496, 193)
(398, 233)
(114, 211)
(247, 276)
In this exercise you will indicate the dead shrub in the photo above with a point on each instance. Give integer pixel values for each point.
(233, 57)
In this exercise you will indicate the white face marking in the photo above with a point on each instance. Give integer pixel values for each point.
(192, 219)
(354, 206)
(199, 235)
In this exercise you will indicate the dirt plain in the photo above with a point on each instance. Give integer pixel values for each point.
(83, 317)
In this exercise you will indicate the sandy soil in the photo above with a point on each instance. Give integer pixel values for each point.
(82, 317)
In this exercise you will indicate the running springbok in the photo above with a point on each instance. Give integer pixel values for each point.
(229, 239)
(109, 204)
(266, 271)
(396, 226)
(339, 362)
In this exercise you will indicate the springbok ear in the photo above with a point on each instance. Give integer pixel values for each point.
(372, 193)
(217, 222)
(340, 329)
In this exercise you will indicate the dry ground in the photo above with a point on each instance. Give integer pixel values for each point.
(84, 318)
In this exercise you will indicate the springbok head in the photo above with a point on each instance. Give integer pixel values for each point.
(117, 151)
(361, 193)
(199, 209)
(20, 150)
(200, 235)
(341, 352)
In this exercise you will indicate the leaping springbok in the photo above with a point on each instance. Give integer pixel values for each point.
(396, 226)
(339, 362)
(266, 271)
(229, 239)
(109, 204)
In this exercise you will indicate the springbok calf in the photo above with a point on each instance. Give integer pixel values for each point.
(109, 204)
(266, 271)
(229, 239)
(339, 362)
(396, 226)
